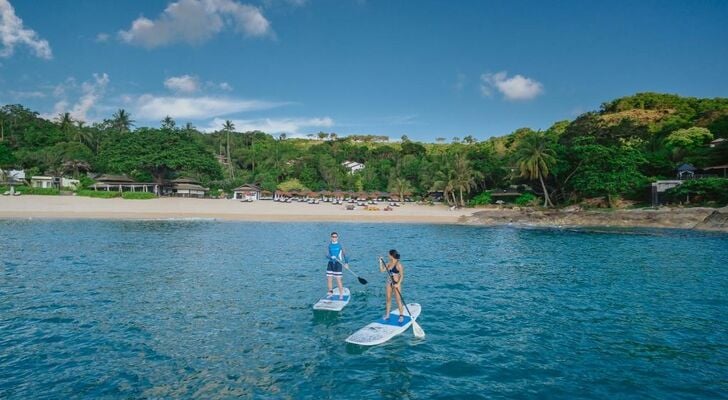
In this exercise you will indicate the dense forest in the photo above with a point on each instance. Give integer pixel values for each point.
(612, 153)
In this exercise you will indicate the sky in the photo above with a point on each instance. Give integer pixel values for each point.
(425, 69)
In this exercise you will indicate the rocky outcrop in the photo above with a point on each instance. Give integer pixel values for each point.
(716, 221)
(683, 218)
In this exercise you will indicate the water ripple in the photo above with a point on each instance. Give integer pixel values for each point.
(209, 309)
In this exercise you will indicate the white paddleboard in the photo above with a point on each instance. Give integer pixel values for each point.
(381, 331)
(332, 302)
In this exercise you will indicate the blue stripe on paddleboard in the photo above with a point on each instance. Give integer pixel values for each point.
(394, 320)
(336, 298)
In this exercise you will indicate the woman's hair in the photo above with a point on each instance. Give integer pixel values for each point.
(394, 254)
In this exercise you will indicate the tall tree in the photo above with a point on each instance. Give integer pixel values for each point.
(65, 122)
(229, 127)
(121, 121)
(168, 123)
(534, 157)
(465, 177)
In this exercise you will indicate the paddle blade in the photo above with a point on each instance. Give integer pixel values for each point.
(362, 280)
(417, 330)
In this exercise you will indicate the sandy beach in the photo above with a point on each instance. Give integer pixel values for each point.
(74, 207)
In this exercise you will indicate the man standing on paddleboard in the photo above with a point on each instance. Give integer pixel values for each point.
(336, 256)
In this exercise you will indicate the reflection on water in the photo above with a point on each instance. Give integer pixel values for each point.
(207, 309)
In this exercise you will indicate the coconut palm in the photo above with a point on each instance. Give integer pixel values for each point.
(121, 121)
(228, 127)
(168, 123)
(465, 177)
(534, 157)
(401, 186)
(65, 122)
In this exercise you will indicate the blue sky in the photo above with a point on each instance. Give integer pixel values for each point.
(426, 69)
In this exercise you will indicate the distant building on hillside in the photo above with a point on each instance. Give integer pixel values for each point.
(686, 171)
(353, 166)
(717, 142)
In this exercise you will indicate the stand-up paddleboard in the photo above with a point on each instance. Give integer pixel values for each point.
(332, 302)
(381, 331)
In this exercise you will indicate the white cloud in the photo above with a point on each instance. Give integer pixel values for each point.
(182, 84)
(292, 126)
(517, 87)
(294, 3)
(196, 21)
(460, 81)
(12, 33)
(91, 92)
(151, 107)
(225, 86)
(102, 37)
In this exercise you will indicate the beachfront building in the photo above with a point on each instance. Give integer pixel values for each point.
(42, 182)
(185, 187)
(247, 192)
(660, 187)
(122, 183)
(353, 166)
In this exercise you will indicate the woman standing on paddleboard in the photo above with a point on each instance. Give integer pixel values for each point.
(395, 270)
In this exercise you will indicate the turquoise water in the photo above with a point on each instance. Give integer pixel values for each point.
(205, 309)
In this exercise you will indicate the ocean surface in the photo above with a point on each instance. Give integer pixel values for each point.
(211, 310)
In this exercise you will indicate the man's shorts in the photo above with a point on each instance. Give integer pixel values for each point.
(334, 269)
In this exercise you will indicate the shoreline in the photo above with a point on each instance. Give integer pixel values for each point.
(697, 218)
(161, 209)
(77, 207)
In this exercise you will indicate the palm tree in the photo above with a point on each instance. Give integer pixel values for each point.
(81, 134)
(65, 122)
(168, 123)
(401, 186)
(464, 176)
(75, 166)
(469, 139)
(534, 157)
(121, 121)
(228, 127)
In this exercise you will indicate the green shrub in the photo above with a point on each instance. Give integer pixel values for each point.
(526, 199)
(481, 199)
(35, 191)
(98, 194)
(701, 191)
(137, 195)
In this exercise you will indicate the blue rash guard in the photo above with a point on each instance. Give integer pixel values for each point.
(335, 252)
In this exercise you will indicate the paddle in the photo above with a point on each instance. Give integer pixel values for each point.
(361, 280)
(416, 328)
